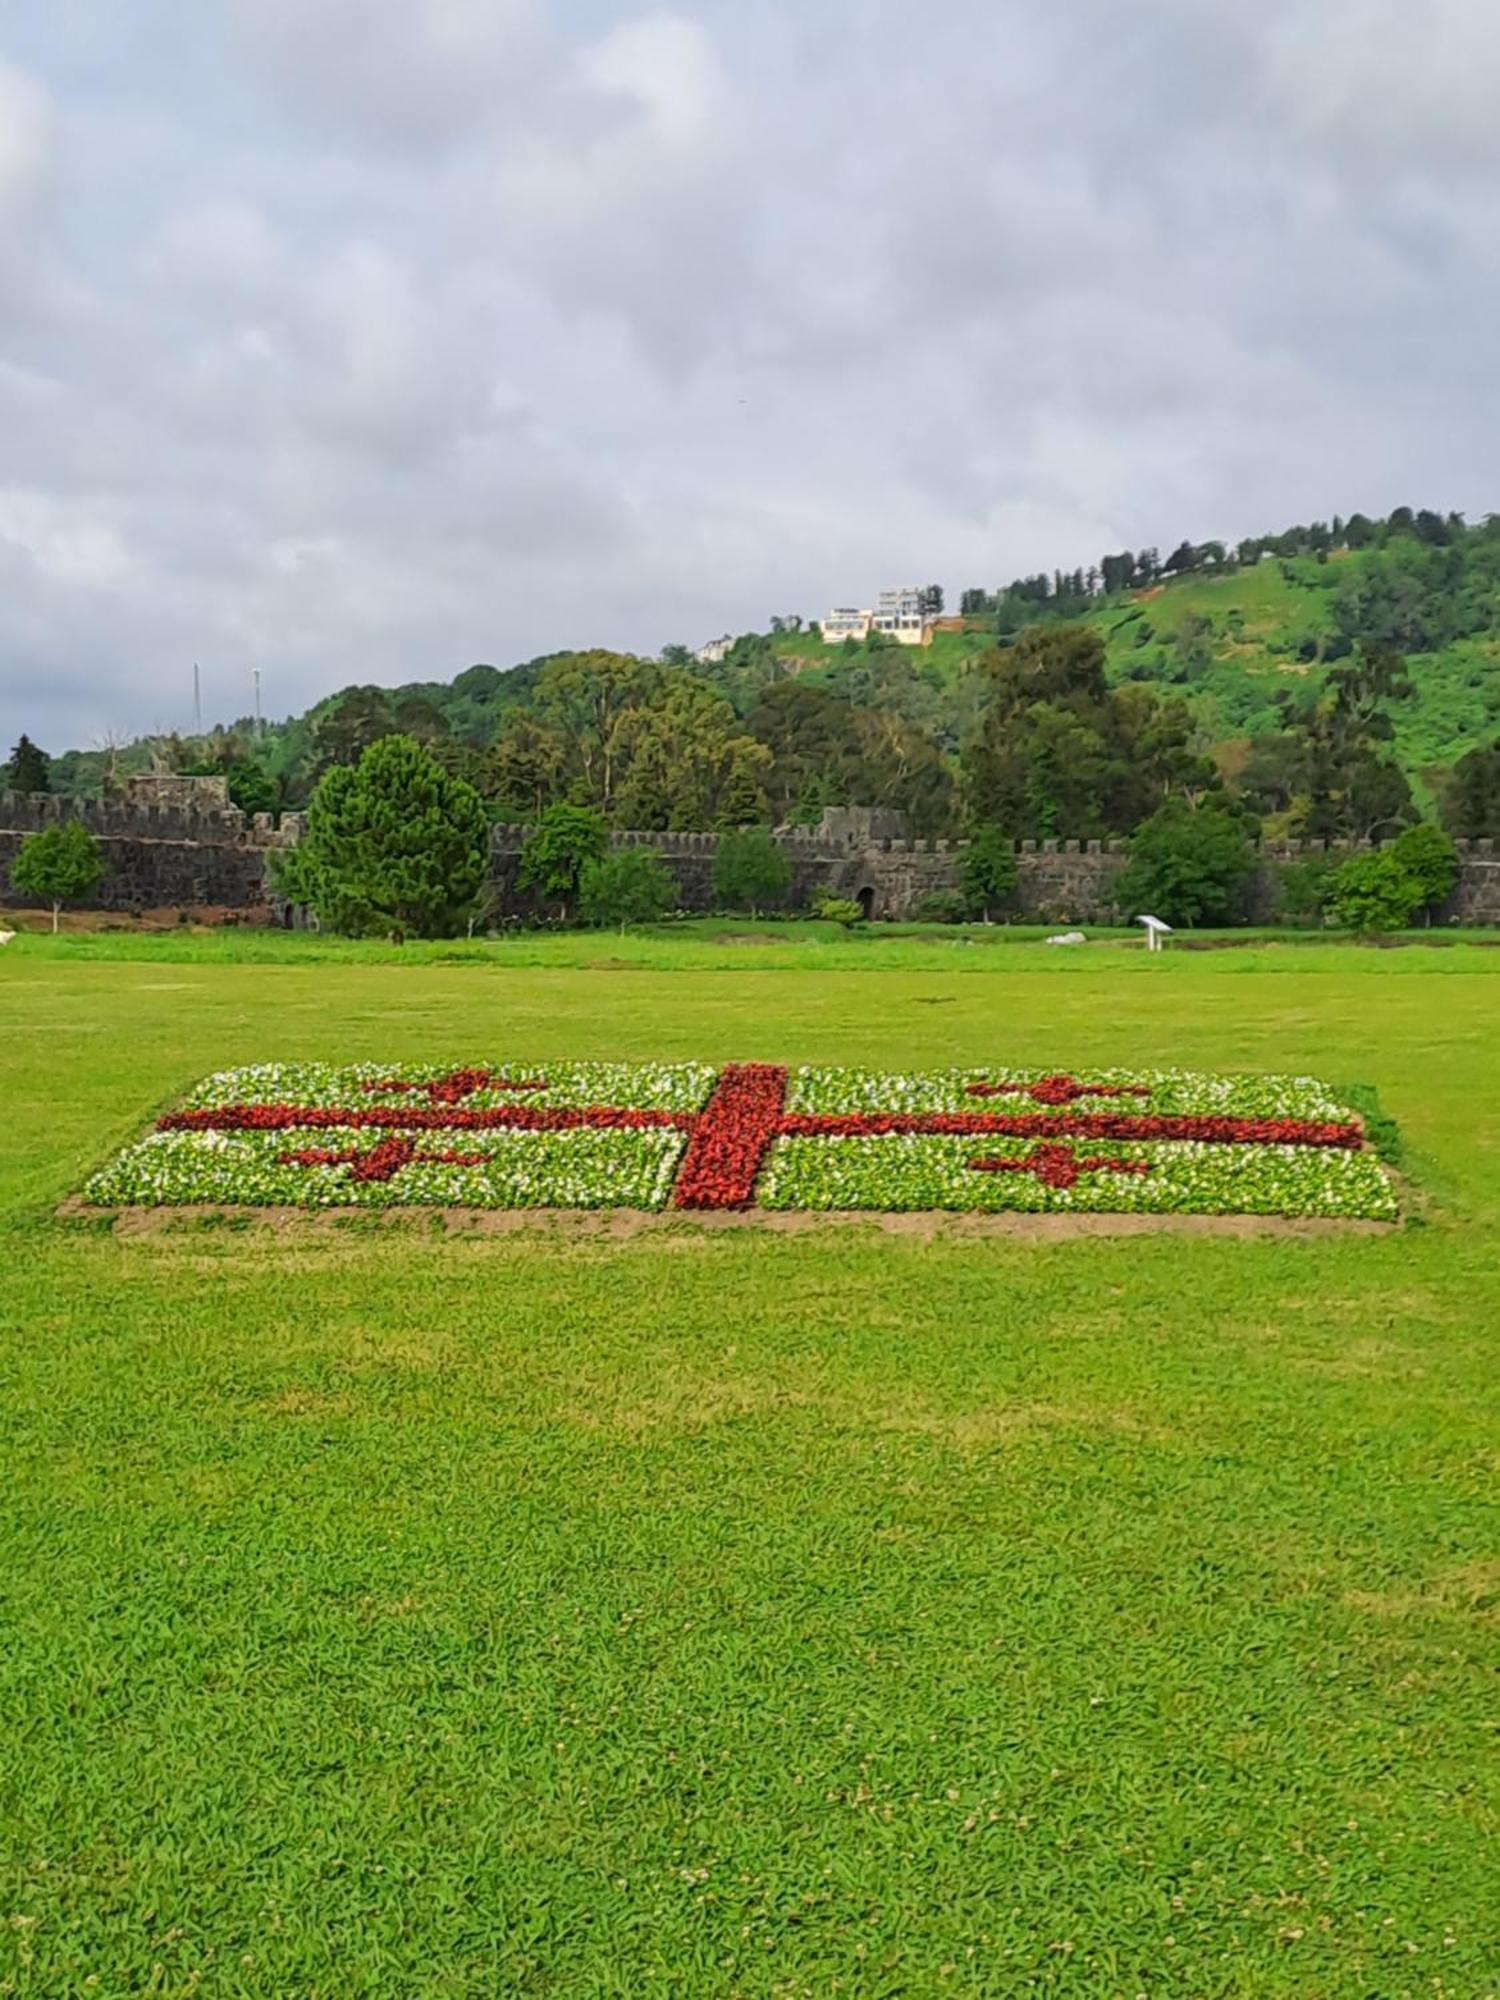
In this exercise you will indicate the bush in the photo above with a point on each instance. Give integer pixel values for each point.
(1430, 859)
(557, 851)
(990, 877)
(61, 865)
(837, 910)
(1304, 887)
(1188, 865)
(944, 906)
(632, 885)
(750, 870)
(393, 845)
(1389, 889)
(1373, 892)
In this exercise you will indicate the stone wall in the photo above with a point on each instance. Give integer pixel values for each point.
(188, 856)
(157, 856)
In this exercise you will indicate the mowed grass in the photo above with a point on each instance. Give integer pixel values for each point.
(389, 1612)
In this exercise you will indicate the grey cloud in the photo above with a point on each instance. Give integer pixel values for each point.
(355, 339)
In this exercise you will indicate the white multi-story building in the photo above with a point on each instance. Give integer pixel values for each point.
(845, 623)
(897, 614)
(715, 650)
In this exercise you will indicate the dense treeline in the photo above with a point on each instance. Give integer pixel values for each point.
(1030, 736)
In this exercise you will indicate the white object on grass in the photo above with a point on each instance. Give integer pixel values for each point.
(1156, 930)
(1068, 937)
(6, 936)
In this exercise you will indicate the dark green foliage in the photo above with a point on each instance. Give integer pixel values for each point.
(558, 849)
(1188, 865)
(751, 871)
(61, 864)
(1304, 887)
(392, 844)
(1373, 892)
(990, 876)
(29, 769)
(1058, 753)
(1430, 860)
(629, 885)
(1471, 804)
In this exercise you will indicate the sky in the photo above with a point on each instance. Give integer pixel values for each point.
(361, 340)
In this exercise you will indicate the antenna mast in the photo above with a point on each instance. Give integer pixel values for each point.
(197, 701)
(255, 678)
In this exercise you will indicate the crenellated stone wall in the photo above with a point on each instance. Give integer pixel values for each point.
(190, 855)
(157, 856)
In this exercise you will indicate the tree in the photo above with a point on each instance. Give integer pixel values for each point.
(584, 697)
(29, 769)
(1471, 805)
(1188, 865)
(1431, 862)
(528, 768)
(750, 869)
(348, 723)
(932, 600)
(61, 864)
(1373, 892)
(683, 761)
(990, 876)
(393, 844)
(631, 885)
(558, 849)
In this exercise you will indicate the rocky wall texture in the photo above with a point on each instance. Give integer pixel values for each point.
(155, 856)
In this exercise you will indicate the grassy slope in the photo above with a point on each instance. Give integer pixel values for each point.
(387, 1613)
(1257, 622)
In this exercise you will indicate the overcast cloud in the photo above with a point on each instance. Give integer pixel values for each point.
(364, 339)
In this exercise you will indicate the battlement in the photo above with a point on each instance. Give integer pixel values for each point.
(141, 819)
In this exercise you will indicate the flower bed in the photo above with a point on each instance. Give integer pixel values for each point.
(653, 1136)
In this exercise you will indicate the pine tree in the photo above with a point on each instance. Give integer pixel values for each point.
(30, 768)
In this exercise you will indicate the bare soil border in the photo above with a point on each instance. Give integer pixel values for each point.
(613, 1225)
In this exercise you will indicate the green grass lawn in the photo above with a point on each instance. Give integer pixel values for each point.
(388, 1612)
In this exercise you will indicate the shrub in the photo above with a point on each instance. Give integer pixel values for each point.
(632, 885)
(1430, 859)
(61, 864)
(944, 906)
(1188, 865)
(558, 849)
(1387, 890)
(837, 910)
(1304, 887)
(990, 877)
(750, 869)
(393, 844)
(1373, 892)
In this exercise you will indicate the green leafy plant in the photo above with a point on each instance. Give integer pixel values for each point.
(631, 885)
(750, 870)
(559, 848)
(837, 910)
(990, 877)
(1389, 889)
(1188, 865)
(393, 844)
(61, 864)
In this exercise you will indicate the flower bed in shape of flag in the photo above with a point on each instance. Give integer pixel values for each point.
(690, 1136)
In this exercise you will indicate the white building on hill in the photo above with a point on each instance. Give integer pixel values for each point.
(898, 614)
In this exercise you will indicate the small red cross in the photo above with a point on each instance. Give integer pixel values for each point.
(455, 1087)
(1058, 1166)
(381, 1162)
(1057, 1090)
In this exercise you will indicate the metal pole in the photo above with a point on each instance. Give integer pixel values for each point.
(197, 701)
(255, 677)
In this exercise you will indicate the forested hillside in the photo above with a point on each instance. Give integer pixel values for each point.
(1332, 679)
